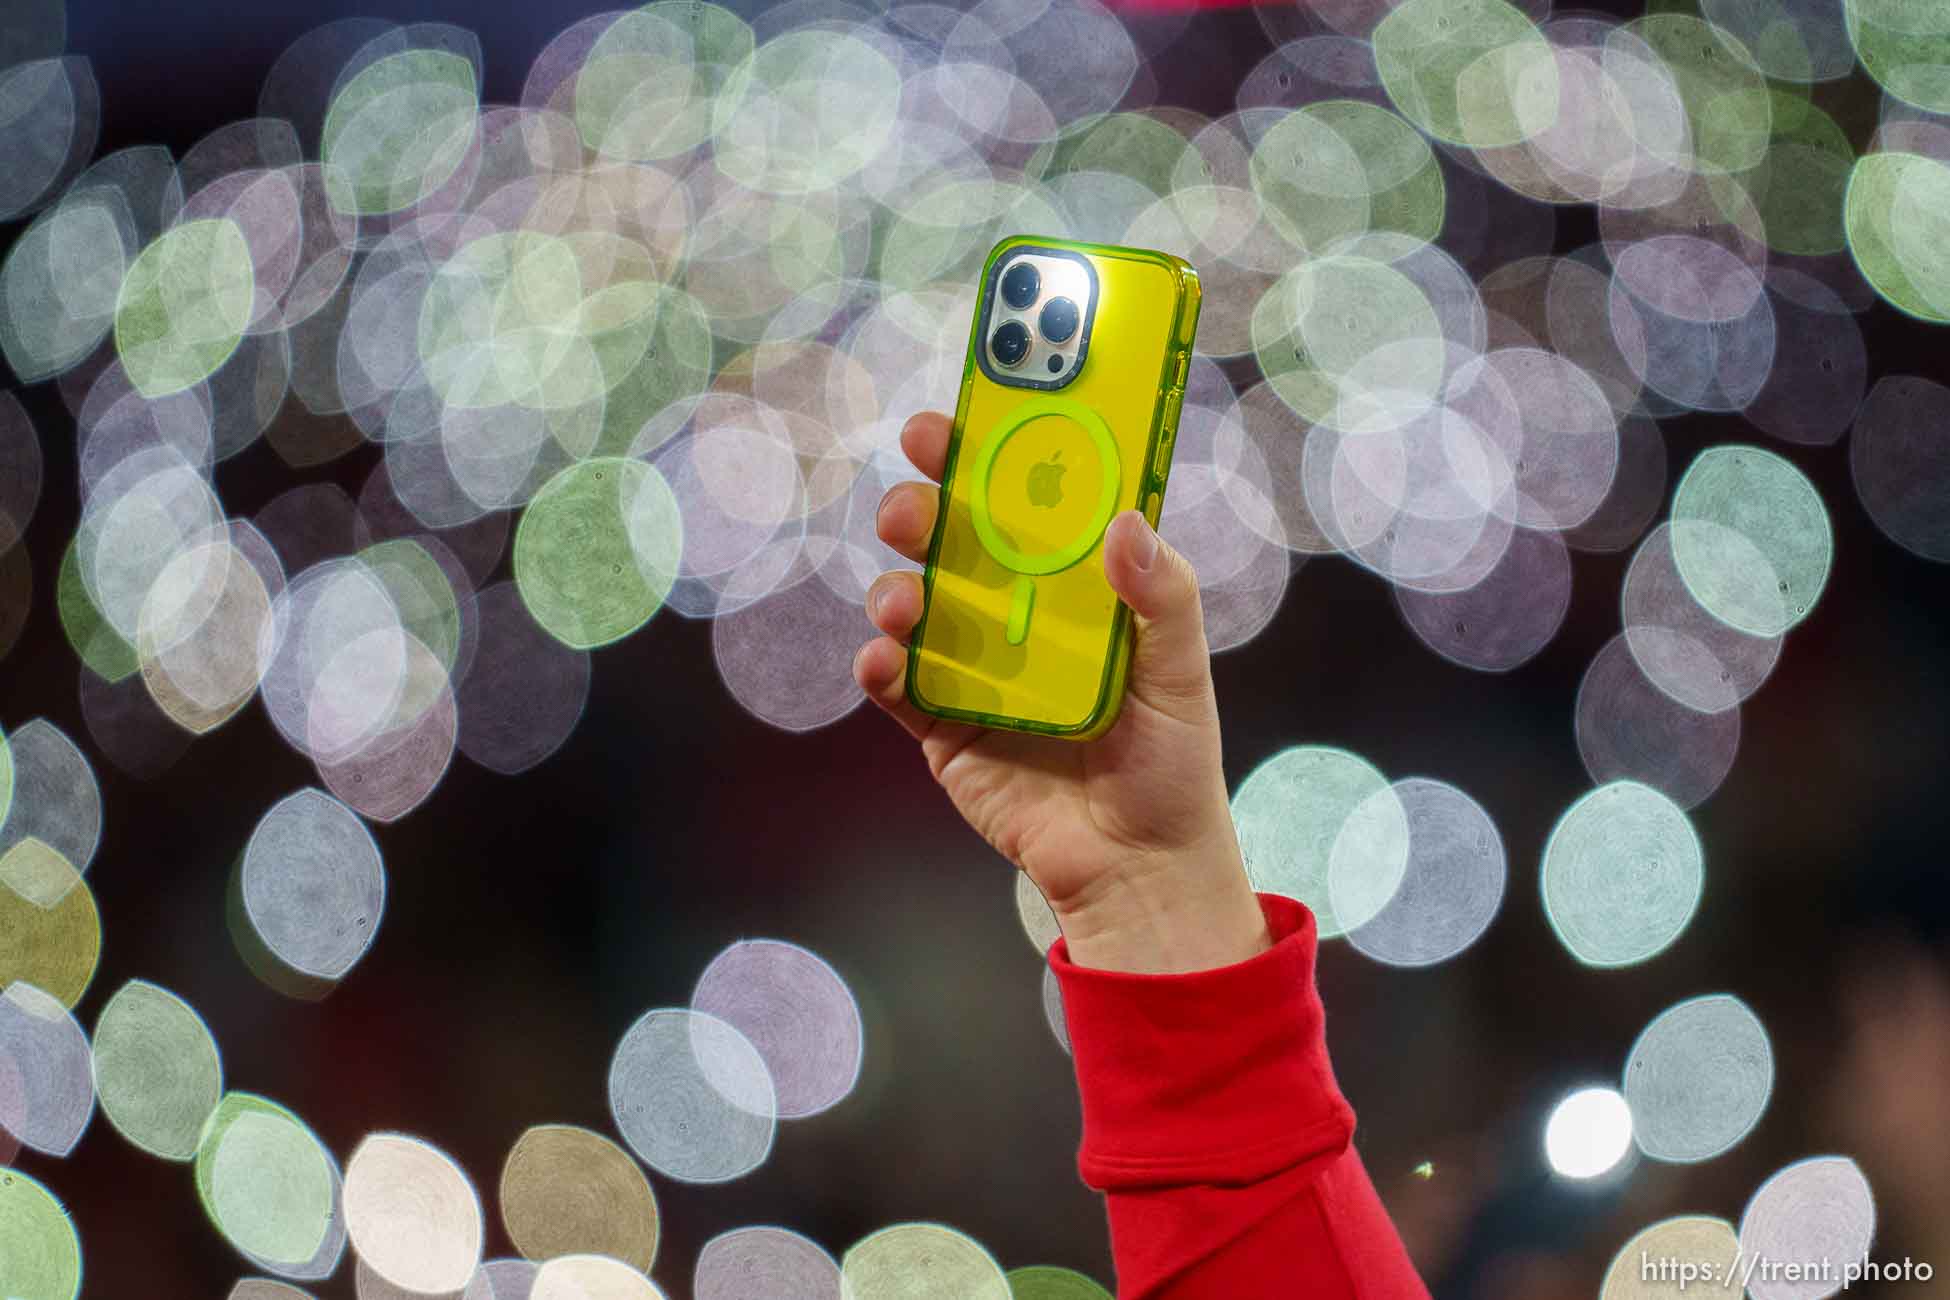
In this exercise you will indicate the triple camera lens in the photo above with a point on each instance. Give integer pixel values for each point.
(1058, 320)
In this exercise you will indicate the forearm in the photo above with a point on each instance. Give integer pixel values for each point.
(1214, 1126)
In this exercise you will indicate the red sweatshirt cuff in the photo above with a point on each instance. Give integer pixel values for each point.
(1219, 1076)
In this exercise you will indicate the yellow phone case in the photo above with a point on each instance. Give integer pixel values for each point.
(1020, 629)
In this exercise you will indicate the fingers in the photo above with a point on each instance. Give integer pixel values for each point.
(906, 518)
(1171, 668)
(925, 440)
(881, 669)
(894, 603)
(905, 522)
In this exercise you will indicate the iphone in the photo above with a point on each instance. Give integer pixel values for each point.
(1067, 412)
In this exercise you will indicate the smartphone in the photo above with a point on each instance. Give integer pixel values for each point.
(1068, 409)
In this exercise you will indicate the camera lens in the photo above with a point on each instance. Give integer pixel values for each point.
(1010, 344)
(1020, 285)
(1059, 319)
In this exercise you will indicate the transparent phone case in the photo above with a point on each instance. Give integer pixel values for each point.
(1020, 629)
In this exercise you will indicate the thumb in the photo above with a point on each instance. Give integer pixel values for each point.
(1171, 669)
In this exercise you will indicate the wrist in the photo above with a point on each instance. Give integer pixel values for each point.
(1179, 912)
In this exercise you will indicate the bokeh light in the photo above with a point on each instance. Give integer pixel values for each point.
(1039, 923)
(53, 928)
(47, 1085)
(270, 1188)
(1053, 1014)
(590, 1277)
(1622, 876)
(263, 1288)
(412, 1215)
(398, 129)
(774, 1261)
(597, 550)
(1751, 539)
(1817, 1209)
(1901, 458)
(1452, 885)
(921, 1261)
(796, 1012)
(157, 1070)
(1630, 730)
(567, 1191)
(1588, 1133)
(692, 1097)
(503, 1279)
(51, 109)
(1698, 1079)
(1690, 1240)
(1040, 1282)
(1683, 649)
(310, 889)
(184, 306)
(55, 799)
(526, 691)
(1323, 826)
(43, 1256)
(1889, 195)
(1468, 72)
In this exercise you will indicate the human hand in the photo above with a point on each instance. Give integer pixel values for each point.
(1129, 836)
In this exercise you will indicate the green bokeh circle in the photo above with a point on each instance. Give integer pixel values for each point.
(1875, 188)
(1622, 875)
(40, 1254)
(428, 607)
(1312, 812)
(398, 130)
(1042, 1282)
(1348, 341)
(1079, 546)
(1751, 539)
(1798, 188)
(1469, 72)
(920, 1261)
(156, 1070)
(1919, 231)
(94, 640)
(272, 1198)
(597, 550)
(1137, 145)
(184, 306)
(1905, 46)
(1724, 93)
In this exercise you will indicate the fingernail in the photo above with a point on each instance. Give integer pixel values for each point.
(876, 596)
(1146, 552)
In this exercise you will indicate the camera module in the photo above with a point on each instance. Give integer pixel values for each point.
(1020, 285)
(1010, 343)
(1059, 319)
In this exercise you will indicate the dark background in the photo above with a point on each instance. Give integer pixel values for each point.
(530, 920)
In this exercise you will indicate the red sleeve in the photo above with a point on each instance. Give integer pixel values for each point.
(1212, 1123)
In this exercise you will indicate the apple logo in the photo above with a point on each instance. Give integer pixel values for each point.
(1046, 481)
